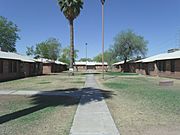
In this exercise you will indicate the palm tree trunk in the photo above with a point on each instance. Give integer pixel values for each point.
(71, 46)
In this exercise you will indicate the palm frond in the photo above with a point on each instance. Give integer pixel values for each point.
(71, 8)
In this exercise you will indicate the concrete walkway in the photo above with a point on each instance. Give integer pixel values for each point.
(92, 116)
(76, 93)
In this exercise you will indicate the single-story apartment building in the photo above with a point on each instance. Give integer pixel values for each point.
(83, 66)
(51, 66)
(163, 65)
(122, 67)
(14, 66)
(118, 66)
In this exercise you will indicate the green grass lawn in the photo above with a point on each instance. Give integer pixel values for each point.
(59, 81)
(140, 106)
(120, 74)
(41, 115)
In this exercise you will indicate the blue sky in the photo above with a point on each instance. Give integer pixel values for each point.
(157, 20)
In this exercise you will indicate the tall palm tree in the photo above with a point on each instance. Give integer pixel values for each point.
(71, 9)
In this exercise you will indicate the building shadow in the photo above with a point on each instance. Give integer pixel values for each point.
(65, 97)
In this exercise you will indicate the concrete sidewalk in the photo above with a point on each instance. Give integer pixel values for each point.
(92, 116)
(76, 93)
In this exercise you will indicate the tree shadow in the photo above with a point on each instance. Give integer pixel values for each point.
(65, 97)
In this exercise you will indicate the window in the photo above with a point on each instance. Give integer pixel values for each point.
(161, 66)
(34, 67)
(1, 66)
(172, 65)
(10, 66)
(14, 66)
(139, 65)
(143, 65)
(37, 66)
(164, 65)
(151, 67)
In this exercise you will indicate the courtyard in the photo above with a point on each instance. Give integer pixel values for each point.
(137, 103)
(102, 67)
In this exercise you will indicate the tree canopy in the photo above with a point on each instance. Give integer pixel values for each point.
(49, 49)
(65, 55)
(109, 57)
(8, 35)
(85, 59)
(71, 8)
(127, 45)
(30, 51)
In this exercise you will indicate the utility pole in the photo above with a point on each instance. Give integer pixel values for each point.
(178, 38)
(86, 55)
(103, 2)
